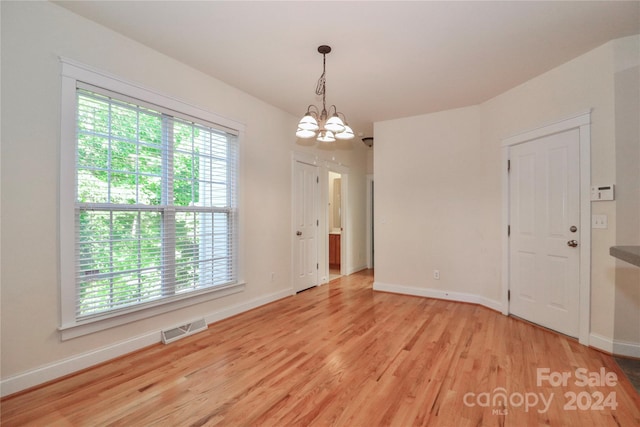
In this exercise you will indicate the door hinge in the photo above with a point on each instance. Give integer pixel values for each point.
(508, 230)
(317, 180)
(318, 266)
(317, 222)
(508, 165)
(509, 295)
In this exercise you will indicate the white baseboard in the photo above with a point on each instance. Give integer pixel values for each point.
(439, 294)
(615, 347)
(246, 306)
(356, 269)
(601, 342)
(82, 361)
(626, 348)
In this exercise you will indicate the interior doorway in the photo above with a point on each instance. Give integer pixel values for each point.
(544, 259)
(571, 232)
(335, 223)
(305, 224)
(370, 231)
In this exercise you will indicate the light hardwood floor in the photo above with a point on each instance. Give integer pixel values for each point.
(343, 355)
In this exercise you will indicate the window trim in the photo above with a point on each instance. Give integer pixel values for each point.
(73, 74)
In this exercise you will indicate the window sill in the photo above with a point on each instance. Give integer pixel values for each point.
(110, 320)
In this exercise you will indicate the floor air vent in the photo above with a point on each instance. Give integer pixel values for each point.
(170, 335)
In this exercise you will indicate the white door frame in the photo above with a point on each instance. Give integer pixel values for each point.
(581, 122)
(369, 233)
(323, 198)
(310, 160)
(344, 208)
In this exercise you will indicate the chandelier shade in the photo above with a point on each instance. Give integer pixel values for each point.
(347, 133)
(334, 124)
(308, 123)
(319, 123)
(326, 136)
(305, 133)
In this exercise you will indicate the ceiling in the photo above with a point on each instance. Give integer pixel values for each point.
(390, 59)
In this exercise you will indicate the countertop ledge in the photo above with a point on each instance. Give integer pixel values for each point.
(630, 254)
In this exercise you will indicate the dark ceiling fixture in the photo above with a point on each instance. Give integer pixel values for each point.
(324, 126)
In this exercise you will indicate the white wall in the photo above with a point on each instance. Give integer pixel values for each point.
(447, 166)
(436, 208)
(34, 35)
(627, 110)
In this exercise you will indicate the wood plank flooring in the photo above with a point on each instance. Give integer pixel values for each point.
(344, 355)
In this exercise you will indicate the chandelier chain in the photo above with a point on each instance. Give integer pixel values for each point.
(321, 88)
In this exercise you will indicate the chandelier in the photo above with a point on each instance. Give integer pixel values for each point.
(321, 124)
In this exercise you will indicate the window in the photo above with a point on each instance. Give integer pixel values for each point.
(155, 212)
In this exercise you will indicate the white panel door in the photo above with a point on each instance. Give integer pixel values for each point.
(544, 193)
(305, 200)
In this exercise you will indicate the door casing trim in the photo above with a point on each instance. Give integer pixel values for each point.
(323, 167)
(345, 263)
(312, 161)
(582, 122)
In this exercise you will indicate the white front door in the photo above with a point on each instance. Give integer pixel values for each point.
(544, 194)
(305, 202)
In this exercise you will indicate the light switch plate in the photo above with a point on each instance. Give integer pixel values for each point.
(599, 221)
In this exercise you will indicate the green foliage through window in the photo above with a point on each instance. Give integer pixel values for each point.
(155, 210)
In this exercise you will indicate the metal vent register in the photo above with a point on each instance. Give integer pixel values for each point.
(170, 335)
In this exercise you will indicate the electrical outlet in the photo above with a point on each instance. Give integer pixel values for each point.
(436, 274)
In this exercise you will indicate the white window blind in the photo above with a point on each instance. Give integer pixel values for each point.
(156, 204)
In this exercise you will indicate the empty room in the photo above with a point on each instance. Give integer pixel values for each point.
(313, 213)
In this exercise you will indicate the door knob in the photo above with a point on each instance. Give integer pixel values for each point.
(572, 243)
(298, 233)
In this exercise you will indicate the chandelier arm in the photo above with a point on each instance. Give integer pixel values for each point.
(344, 118)
(313, 111)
